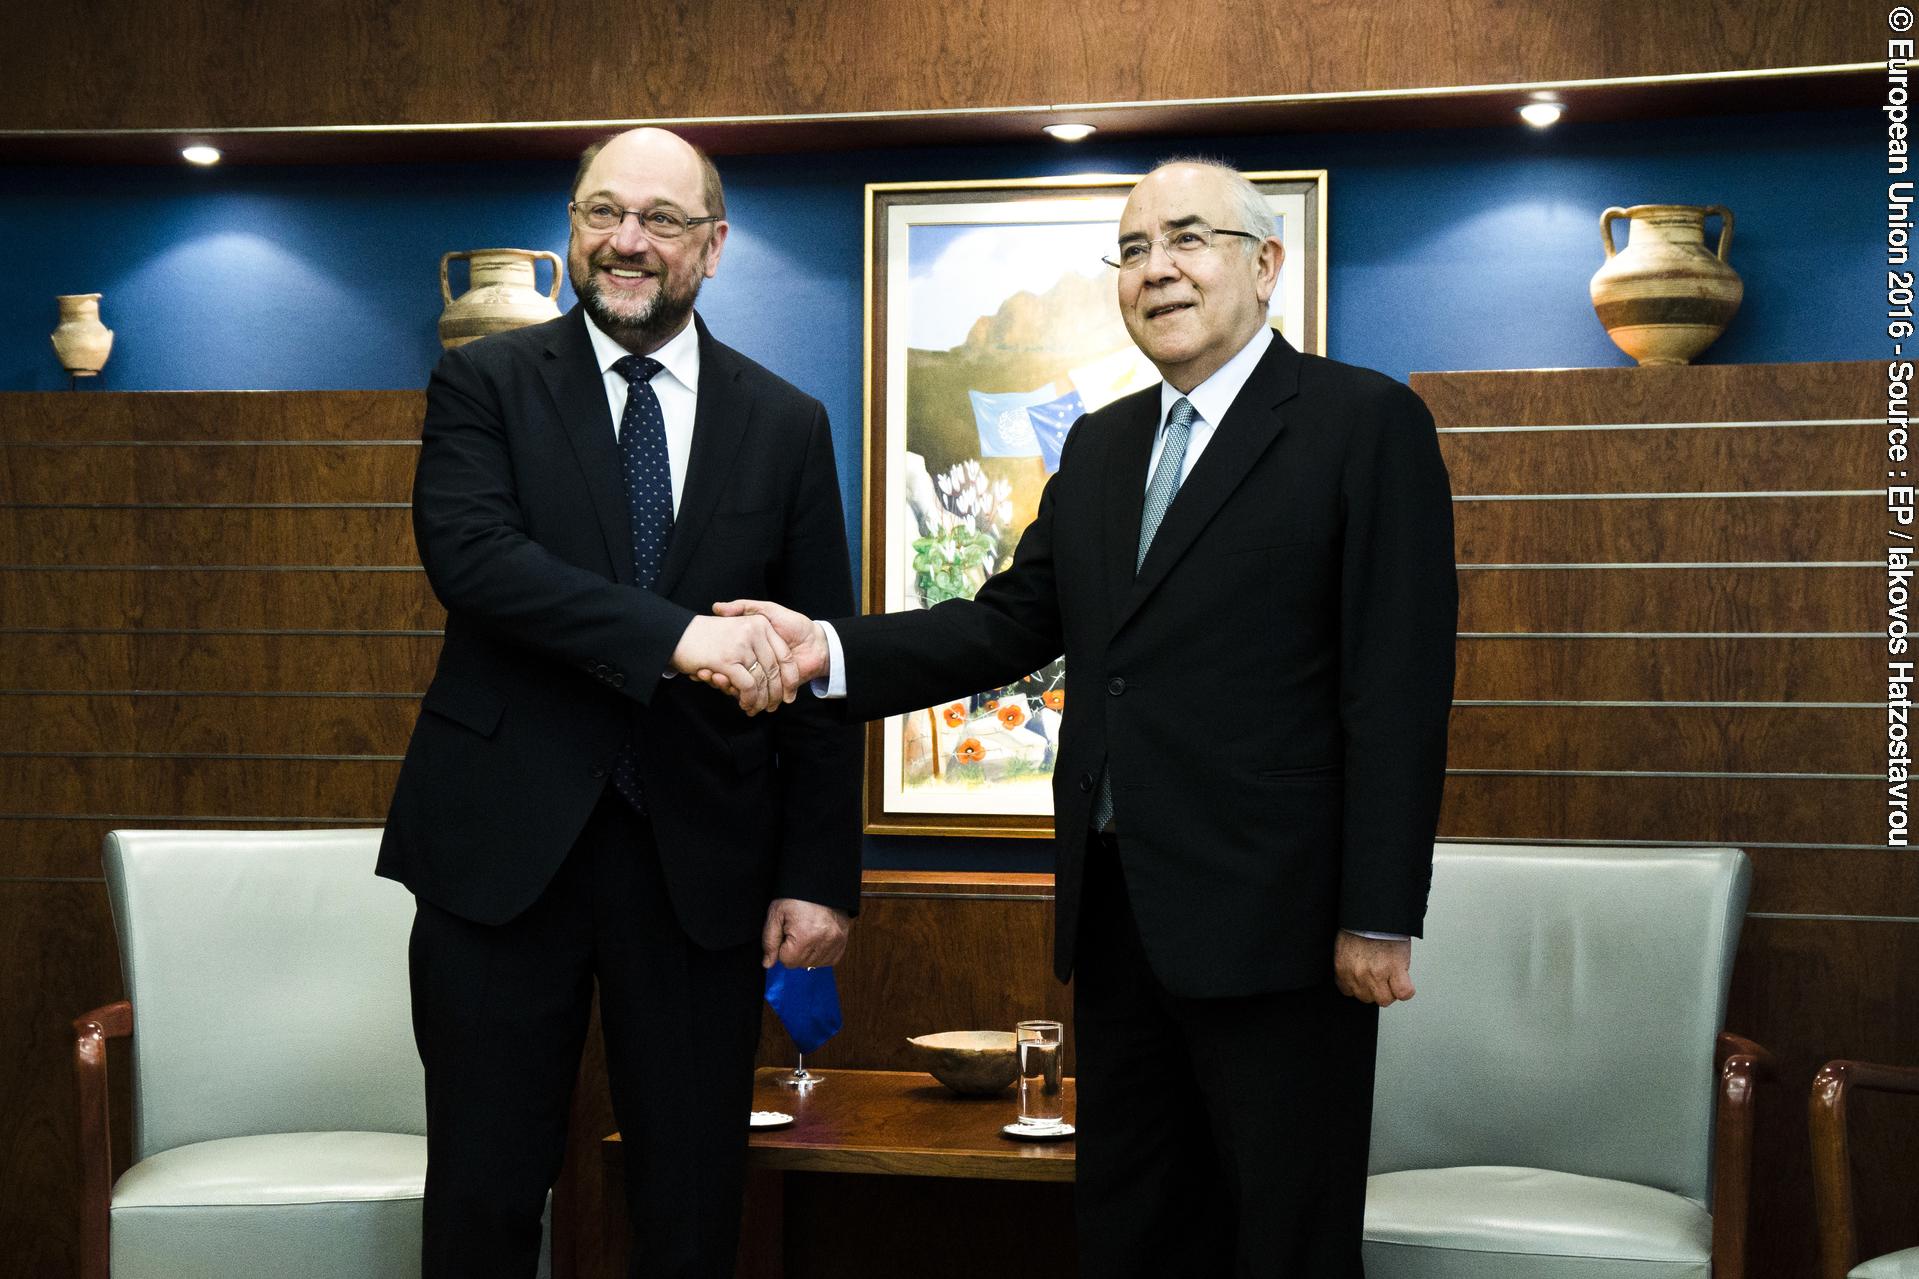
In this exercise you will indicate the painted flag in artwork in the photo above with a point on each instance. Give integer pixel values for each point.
(807, 1001)
(1117, 373)
(1051, 421)
(1005, 430)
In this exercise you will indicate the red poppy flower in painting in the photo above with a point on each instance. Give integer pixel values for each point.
(1054, 698)
(1011, 715)
(992, 703)
(970, 751)
(954, 715)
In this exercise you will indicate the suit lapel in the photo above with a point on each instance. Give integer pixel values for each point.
(719, 424)
(578, 388)
(1251, 425)
(1124, 498)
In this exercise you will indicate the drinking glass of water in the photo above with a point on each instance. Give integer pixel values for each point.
(1042, 1093)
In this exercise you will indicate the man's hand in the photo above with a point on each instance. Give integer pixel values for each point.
(743, 655)
(1373, 970)
(802, 934)
(811, 658)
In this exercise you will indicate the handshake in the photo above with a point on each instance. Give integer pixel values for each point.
(757, 652)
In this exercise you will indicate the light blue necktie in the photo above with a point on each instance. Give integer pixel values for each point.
(647, 475)
(1159, 496)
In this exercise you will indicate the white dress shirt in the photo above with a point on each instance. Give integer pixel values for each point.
(676, 385)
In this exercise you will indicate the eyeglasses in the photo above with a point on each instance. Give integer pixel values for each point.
(659, 224)
(1183, 245)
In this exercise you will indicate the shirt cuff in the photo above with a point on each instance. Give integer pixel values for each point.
(1360, 932)
(833, 683)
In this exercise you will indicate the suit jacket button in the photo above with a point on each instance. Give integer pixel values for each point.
(618, 680)
(1086, 782)
(1116, 686)
(598, 772)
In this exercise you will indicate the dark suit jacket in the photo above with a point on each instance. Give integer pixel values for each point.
(553, 657)
(1270, 692)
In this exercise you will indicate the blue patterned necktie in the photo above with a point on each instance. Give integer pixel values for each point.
(647, 475)
(1159, 496)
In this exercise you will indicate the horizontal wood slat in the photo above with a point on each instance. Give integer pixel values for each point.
(322, 791)
(265, 663)
(1633, 809)
(1687, 739)
(188, 537)
(184, 598)
(231, 724)
(363, 472)
(153, 417)
(1664, 460)
(1709, 599)
(1763, 669)
(1627, 531)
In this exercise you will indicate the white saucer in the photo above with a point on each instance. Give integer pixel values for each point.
(1038, 1132)
(768, 1119)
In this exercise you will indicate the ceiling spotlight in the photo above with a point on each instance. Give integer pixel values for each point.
(1542, 115)
(200, 155)
(1069, 132)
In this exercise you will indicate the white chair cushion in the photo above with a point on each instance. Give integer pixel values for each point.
(280, 1168)
(1491, 1223)
(1894, 1265)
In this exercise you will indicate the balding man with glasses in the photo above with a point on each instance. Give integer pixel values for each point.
(1249, 570)
(569, 812)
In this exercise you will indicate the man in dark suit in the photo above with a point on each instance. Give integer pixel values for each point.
(1249, 569)
(569, 810)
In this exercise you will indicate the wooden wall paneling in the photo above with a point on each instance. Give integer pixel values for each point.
(1669, 599)
(197, 661)
(382, 598)
(1812, 391)
(450, 60)
(1688, 530)
(341, 535)
(231, 416)
(236, 723)
(1738, 739)
(1716, 677)
(1600, 667)
(345, 791)
(58, 960)
(950, 952)
(1833, 882)
(359, 471)
(161, 664)
(1651, 809)
(1827, 452)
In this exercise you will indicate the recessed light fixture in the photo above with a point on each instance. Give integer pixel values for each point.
(1069, 132)
(1542, 115)
(200, 155)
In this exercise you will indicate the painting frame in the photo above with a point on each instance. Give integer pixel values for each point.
(1022, 215)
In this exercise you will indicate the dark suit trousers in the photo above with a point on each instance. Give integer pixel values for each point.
(1217, 1137)
(500, 1016)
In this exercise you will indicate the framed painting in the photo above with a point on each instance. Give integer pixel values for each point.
(992, 325)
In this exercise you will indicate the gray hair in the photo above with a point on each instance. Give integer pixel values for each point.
(1248, 205)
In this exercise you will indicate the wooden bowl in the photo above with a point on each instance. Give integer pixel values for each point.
(973, 1063)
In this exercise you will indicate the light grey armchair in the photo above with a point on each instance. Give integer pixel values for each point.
(1545, 1107)
(278, 1101)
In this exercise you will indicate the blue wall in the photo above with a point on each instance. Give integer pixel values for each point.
(1465, 249)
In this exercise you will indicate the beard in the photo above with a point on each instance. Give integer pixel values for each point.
(642, 326)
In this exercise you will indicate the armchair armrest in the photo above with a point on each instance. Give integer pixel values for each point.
(1832, 1154)
(91, 1031)
(1742, 1064)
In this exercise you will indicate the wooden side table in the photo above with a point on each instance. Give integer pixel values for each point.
(887, 1122)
